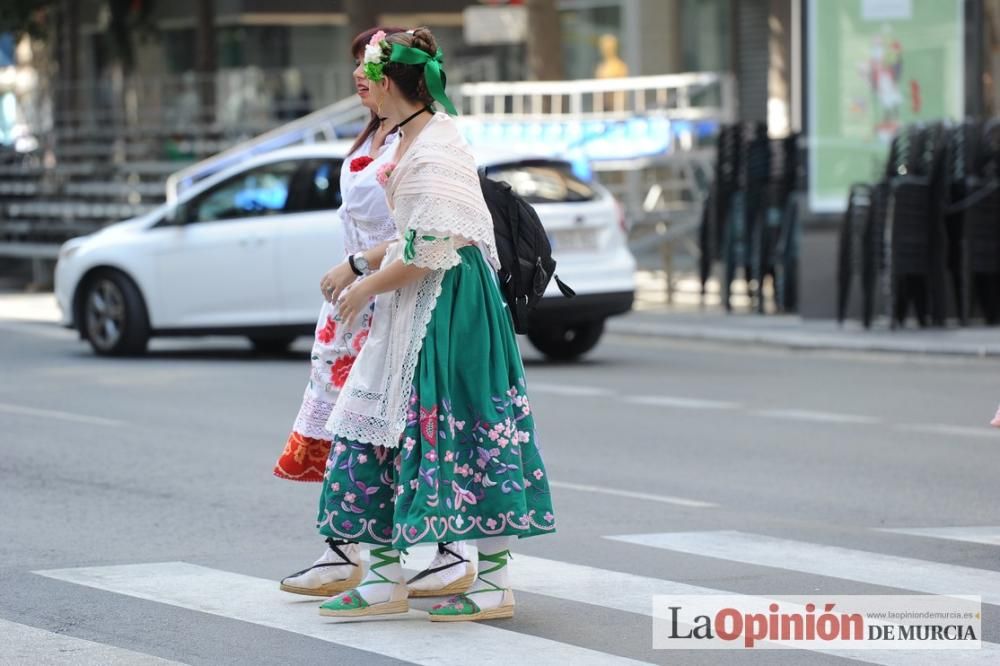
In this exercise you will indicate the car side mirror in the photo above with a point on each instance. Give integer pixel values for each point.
(177, 216)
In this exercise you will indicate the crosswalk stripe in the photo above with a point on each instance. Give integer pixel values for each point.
(62, 416)
(633, 594)
(573, 391)
(831, 561)
(943, 429)
(22, 644)
(989, 535)
(631, 494)
(816, 417)
(409, 637)
(678, 402)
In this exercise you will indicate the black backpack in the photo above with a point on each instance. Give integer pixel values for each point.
(526, 263)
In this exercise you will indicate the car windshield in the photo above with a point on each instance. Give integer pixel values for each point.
(544, 181)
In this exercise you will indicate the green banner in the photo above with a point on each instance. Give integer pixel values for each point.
(875, 66)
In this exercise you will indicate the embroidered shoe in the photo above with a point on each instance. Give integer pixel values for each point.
(449, 573)
(337, 570)
(461, 608)
(352, 604)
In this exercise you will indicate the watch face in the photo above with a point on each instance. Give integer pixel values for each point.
(361, 262)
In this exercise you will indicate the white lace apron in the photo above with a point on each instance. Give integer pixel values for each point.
(438, 206)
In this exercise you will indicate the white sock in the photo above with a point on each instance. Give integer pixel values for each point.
(499, 578)
(445, 556)
(384, 564)
(316, 577)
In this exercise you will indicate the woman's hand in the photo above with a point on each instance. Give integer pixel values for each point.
(353, 300)
(336, 280)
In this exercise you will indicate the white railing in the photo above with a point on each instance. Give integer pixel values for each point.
(699, 96)
(677, 96)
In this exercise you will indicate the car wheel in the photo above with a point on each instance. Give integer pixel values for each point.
(271, 346)
(114, 317)
(565, 343)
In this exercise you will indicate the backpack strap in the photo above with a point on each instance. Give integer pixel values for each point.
(520, 310)
(566, 290)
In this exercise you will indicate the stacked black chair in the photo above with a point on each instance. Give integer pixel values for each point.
(746, 209)
(862, 239)
(853, 243)
(978, 214)
(717, 208)
(914, 232)
(787, 247)
(775, 241)
(962, 157)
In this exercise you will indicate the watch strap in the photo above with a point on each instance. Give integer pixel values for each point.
(350, 261)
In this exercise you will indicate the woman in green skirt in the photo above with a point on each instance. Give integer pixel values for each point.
(433, 436)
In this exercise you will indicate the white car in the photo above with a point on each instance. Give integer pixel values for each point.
(241, 253)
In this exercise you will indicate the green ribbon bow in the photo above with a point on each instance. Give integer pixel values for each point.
(408, 252)
(433, 72)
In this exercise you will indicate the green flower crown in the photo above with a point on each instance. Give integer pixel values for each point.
(379, 53)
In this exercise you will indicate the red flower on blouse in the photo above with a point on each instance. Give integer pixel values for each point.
(325, 334)
(340, 369)
(359, 340)
(359, 163)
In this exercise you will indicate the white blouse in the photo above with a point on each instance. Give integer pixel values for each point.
(364, 211)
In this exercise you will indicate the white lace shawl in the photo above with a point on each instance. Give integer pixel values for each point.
(438, 205)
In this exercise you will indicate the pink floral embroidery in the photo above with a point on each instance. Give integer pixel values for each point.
(539, 474)
(384, 172)
(428, 424)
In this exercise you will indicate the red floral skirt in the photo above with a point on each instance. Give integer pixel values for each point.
(335, 347)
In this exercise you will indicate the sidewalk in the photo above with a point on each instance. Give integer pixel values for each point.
(688, 322)
(792, 332)
(22, 306)
(686, 319)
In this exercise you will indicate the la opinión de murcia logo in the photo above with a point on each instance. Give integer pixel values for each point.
(875, 622)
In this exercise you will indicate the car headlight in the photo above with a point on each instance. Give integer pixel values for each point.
(67, 252)
(70, 247)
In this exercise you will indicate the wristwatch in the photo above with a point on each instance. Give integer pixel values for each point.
(358, 263)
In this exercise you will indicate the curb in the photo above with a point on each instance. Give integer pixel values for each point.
(800, 341)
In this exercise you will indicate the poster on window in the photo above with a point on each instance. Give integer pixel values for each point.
(874, 67)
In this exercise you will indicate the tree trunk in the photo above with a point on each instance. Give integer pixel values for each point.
(206, 63)
(545, 60)
(67, 46)
(361, 15)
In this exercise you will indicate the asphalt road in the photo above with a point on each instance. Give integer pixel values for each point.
(755, 471)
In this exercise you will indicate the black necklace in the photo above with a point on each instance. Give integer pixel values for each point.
(426, 108)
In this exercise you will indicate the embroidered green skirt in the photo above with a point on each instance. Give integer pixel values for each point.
(469, 463)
